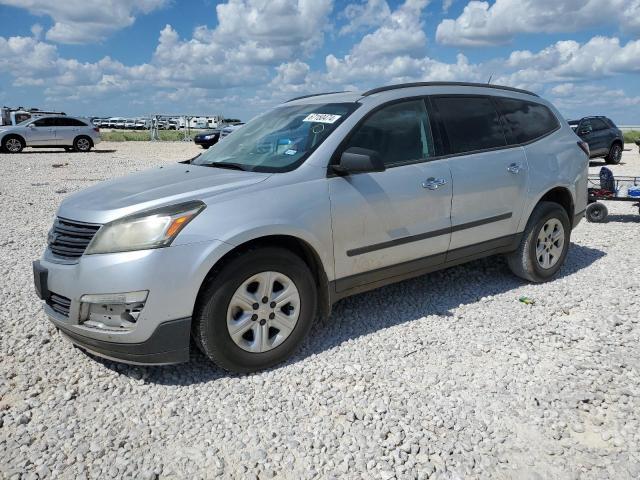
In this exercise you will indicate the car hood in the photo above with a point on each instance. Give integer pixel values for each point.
(161, 186)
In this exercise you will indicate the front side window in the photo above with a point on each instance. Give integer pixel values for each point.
(527, 120)
(45, 122)
(598, 124)
(471, 123)
(400, 133)
(279, 140)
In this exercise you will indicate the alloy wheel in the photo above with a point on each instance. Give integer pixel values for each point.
(550, 243)
(83, 144)
(13, 145)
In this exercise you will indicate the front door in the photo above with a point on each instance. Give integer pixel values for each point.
(41, 132)
(387, 223)
(489, 179)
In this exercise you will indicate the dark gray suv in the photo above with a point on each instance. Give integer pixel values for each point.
(604, 138)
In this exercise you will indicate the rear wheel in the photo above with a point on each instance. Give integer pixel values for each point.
(82, 144)
(615, 154)
(596, 212)
(12, 144)
(256, 310)
(544, 244)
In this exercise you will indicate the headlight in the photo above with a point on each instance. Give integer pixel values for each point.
(151, 229)
(209, 137)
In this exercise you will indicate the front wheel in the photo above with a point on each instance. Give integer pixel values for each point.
(82, 144)
(12, 144)
(256, 310)
(544, 244)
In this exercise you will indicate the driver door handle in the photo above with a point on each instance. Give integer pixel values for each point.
(432, 183)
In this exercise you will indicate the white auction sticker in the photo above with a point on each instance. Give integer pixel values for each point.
(321, 118)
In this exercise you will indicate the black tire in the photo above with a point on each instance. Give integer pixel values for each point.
(12, 144)
(205, 147)
(596, 212)
(615, 154)
(209, 324)
(523, 261)
(82, 143)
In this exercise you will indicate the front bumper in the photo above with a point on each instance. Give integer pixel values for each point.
(168, 344)
(172, 276)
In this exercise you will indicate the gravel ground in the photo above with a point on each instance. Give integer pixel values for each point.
(447, 376)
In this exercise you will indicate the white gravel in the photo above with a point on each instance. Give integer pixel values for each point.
(447, 376)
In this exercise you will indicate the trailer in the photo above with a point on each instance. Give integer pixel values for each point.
(16, 115)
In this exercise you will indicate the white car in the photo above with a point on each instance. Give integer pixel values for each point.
(129, 124)
(54, 131)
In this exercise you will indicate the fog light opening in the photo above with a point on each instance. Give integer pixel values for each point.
(118, 311)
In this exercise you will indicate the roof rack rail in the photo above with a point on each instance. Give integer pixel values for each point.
(437, 84)
(314, 95)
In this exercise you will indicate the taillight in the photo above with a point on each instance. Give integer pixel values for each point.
(585, 147)
(96, 129)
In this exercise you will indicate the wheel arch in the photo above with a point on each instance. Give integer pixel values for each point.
(563, 197)
(295, 245)
(16, 135)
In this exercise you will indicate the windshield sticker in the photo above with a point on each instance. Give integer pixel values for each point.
(290, 152)
(321, 118)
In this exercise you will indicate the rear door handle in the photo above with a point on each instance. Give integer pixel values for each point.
(514, 168)
(432, 183)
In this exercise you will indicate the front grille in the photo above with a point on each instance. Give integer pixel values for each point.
(69, 239)
(59, 303)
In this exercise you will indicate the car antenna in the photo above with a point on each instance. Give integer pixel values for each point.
(490, 77)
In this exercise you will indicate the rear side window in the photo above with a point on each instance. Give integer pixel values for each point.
(69, 122)
(45, 122)
(399, 133)
(527, 120)
(471, 123)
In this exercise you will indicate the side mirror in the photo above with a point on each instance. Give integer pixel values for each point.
(584, 131)
(359, 160)
(32, 125)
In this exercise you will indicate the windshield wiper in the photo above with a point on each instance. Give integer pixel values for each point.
(230, 166)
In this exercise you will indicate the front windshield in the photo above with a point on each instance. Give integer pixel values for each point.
(278, 140)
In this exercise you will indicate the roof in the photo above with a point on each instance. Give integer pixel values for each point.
(355, 96)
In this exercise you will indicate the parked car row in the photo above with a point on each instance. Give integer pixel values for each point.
(123, 123)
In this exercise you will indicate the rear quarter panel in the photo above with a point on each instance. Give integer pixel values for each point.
(556, 161)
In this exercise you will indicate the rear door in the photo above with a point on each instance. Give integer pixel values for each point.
(390, 223)
(489, 177)
(66, 130)
(602, 135)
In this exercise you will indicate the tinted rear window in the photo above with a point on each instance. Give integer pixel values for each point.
(527, 120)
(69, 122)
(471, 123)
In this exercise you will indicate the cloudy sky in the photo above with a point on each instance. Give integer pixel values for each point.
(239, 57)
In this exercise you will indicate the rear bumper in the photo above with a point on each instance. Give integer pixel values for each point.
(168, 344)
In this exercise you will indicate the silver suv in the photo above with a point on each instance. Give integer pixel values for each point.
(66, 132)
(244, 246)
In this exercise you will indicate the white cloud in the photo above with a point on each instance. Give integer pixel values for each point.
(365, 15)
(392, 50)
(566, 60)
(483, 24)
(84, 21)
